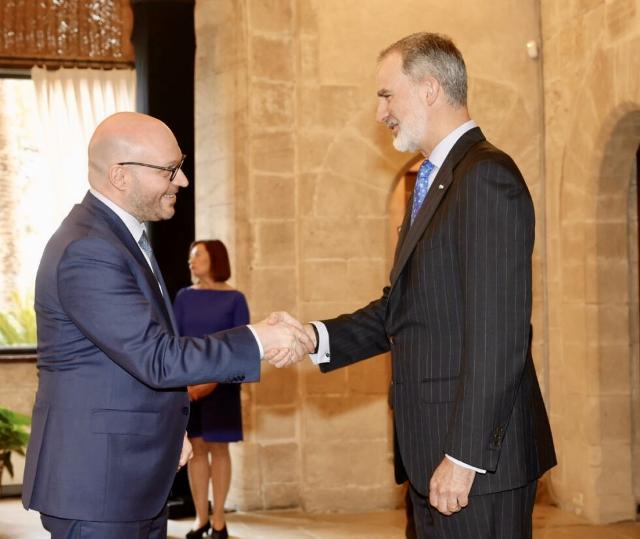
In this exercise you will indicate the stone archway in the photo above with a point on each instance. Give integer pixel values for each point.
(589, 315)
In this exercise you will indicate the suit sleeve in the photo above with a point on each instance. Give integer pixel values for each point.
(495, 243)
(357, 336)
(103, 296)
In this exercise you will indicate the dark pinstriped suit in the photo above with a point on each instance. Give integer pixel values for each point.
(456, 318)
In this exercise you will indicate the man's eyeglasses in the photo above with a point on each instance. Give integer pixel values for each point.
(174, 170)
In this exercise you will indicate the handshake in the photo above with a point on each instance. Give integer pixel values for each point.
(284, 339)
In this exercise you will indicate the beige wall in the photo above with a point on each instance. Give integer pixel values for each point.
(296, 175)
(592, 121)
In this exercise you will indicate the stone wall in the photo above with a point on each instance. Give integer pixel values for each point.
(592, 127)
(297, 177)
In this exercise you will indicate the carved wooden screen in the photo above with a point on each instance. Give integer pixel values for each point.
(78, 33)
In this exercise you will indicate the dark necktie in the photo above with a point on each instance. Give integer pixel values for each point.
(421, 187)
(144, 244)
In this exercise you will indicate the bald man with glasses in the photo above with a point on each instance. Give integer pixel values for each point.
(108, 429)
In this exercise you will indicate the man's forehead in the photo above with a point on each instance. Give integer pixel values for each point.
(389, 70)
(159, 142)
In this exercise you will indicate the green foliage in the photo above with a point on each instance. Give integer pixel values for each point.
(18, 324)
(13, 436)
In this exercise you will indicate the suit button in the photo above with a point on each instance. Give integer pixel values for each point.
(392, 340)
(185, 410)
(498, 435)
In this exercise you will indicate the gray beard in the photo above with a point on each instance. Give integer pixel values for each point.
(406, 140)
(403, 144)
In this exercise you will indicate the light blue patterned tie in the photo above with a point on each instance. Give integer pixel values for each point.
(421, 186)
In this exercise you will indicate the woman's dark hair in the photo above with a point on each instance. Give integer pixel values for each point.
(220, 268)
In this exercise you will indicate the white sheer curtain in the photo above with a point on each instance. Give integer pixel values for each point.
(71, 103)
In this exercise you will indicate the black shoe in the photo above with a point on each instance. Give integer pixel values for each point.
(219, 534)
(197, 534)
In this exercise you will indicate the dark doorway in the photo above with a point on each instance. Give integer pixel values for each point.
(165, 44)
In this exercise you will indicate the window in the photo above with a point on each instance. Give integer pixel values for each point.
(25, 222)
(45, 125)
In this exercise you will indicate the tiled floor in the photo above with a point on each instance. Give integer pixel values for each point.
(549, 523)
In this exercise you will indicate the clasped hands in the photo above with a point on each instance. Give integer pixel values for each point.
(284, 339)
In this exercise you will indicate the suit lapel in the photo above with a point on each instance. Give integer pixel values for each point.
(410, 234)
(116, 225)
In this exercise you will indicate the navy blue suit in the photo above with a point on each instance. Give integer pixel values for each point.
(112, 407)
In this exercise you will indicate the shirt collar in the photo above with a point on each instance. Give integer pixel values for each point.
(440, 152)
(133, 225)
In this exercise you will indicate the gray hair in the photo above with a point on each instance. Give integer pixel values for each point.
(425, 54)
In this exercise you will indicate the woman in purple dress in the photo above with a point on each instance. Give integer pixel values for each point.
(211, 305)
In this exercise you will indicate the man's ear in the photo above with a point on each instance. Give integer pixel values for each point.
(431, 90)
(118, 177)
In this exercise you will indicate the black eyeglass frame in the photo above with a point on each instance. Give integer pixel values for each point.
(173, 170)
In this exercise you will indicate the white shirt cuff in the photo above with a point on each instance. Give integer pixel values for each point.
(323, 355)
(465, 465)
(255, 334)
